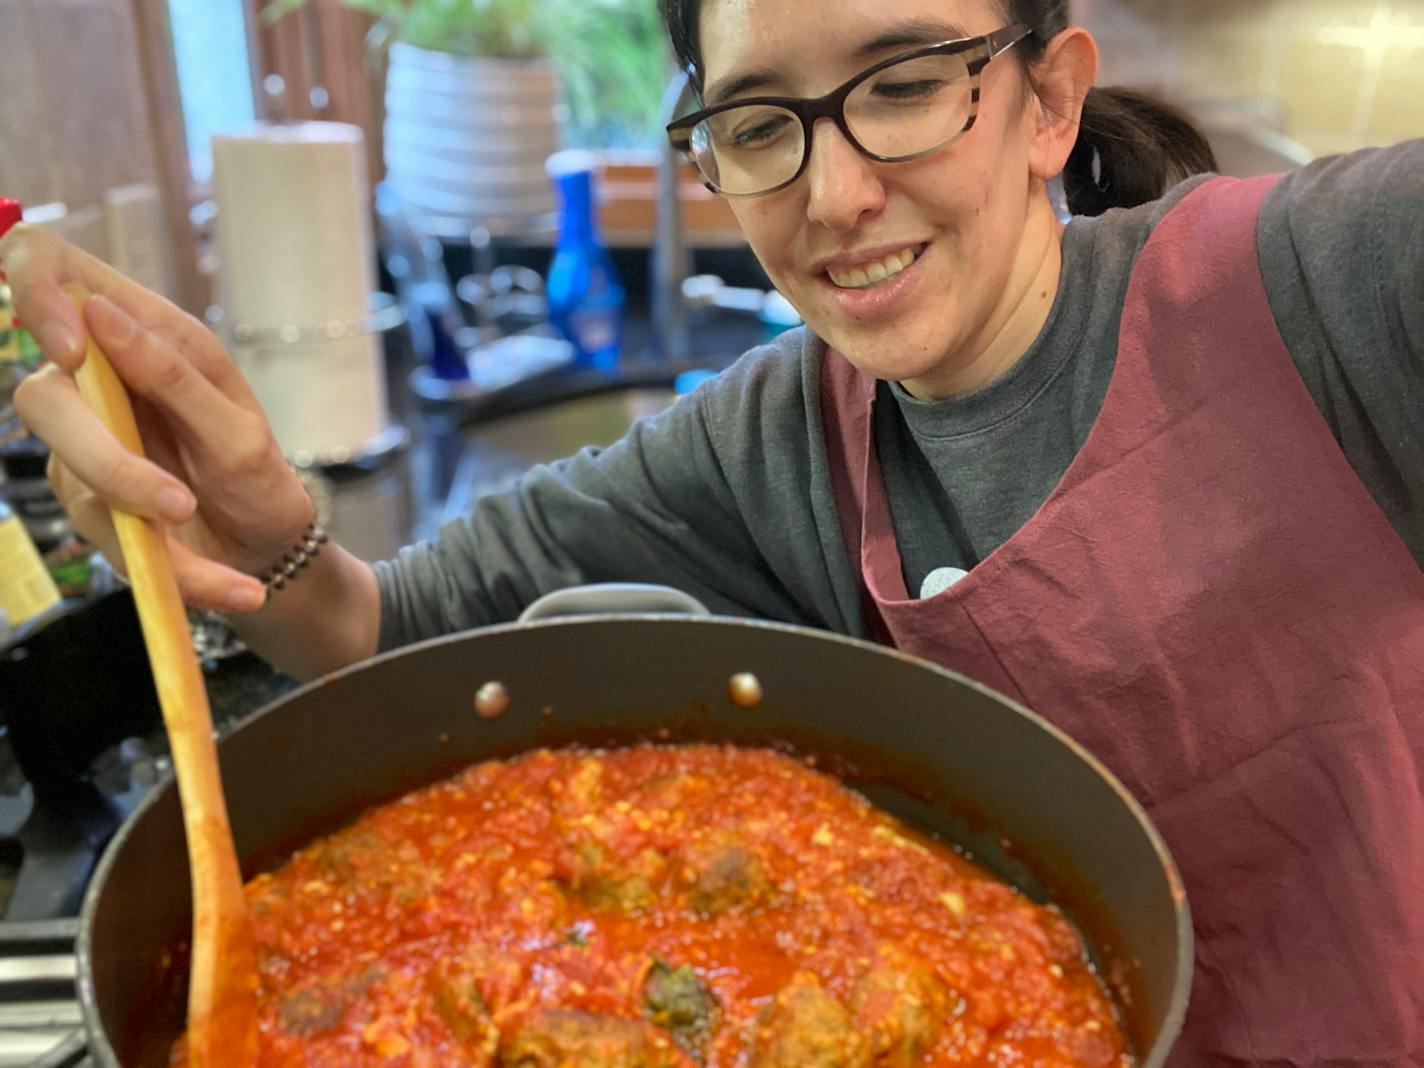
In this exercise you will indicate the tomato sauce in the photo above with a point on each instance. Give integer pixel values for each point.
(660, 907)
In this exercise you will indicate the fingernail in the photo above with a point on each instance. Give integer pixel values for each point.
(246, 598)
(57, 341)
(175, 504)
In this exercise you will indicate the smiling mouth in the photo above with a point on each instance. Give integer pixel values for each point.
(877, 273)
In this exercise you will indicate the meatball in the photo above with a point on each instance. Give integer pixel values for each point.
(899, 1004)
(805, 1027)
(364, 864)
(604, 881)
(606, 860)
(558, 1038)
(680, 1002)
(720, 875)
(463, 993)
(321, 1003)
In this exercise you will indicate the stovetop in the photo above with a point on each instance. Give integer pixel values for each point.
(54, 824)
(39, 1016)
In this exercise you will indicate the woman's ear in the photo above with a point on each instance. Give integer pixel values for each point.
(1062, 78)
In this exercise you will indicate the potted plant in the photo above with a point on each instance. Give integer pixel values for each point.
(478, 93)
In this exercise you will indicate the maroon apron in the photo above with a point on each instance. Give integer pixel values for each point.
(1212, 603)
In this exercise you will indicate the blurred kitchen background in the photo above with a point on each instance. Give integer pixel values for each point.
(105, 95)
(450, 111)
(1333, 75)
(445, 242)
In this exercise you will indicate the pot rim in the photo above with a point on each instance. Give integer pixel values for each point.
(1172, 1020)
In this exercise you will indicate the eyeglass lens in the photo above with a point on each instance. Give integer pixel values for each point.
(907, 109)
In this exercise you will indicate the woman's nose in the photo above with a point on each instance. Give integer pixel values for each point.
(842, 184)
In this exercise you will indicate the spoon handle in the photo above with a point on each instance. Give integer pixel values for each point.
(222, 1012)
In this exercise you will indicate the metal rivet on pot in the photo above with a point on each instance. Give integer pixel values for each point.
(491, 700)
(745, 690)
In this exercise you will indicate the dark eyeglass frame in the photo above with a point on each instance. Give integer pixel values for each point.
(986, 48)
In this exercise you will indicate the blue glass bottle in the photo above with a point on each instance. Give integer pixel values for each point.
(585, 297)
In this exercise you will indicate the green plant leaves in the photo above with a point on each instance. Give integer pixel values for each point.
(612, 54)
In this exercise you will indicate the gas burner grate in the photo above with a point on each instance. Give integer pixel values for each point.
(40, 1025)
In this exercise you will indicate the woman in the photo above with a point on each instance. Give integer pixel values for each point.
(1157, 474)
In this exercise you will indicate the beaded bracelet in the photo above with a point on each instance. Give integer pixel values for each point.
(304, 552)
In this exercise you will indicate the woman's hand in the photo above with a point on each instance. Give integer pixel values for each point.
(214, 472)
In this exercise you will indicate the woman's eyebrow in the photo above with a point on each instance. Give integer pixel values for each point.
(906, 34)
(911, 33)
(730, 87)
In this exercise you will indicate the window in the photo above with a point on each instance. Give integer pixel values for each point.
(214, 74)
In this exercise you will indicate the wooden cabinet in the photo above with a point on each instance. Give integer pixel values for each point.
(73, 120)
(84, 111)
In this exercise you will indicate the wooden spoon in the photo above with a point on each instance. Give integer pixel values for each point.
(222, 991)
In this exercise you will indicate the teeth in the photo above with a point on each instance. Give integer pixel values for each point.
(875, 273)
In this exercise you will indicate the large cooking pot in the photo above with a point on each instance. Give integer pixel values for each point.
(932, 747)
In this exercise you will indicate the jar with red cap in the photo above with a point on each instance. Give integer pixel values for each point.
(19, 353)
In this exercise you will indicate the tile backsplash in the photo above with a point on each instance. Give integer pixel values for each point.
(1342, 74)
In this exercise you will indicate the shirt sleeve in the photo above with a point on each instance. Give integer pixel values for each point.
(1342, 255)
(662, 505)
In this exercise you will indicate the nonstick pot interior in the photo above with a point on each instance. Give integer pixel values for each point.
(933, 748)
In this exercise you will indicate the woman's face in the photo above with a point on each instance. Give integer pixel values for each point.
(974, 215)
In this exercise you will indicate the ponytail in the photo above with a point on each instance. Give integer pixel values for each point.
(1131, 149)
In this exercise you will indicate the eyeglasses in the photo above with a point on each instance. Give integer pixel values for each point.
(900, 109)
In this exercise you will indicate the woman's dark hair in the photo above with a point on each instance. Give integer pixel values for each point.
(1131, 147)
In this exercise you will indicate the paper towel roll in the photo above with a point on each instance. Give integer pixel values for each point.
(296, 250)
(324, 398)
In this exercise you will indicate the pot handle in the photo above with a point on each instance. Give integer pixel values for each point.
(616, 598)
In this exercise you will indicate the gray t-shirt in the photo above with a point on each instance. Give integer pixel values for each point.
(728, 494)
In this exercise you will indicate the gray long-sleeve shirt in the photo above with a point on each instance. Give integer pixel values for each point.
(728, 493)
